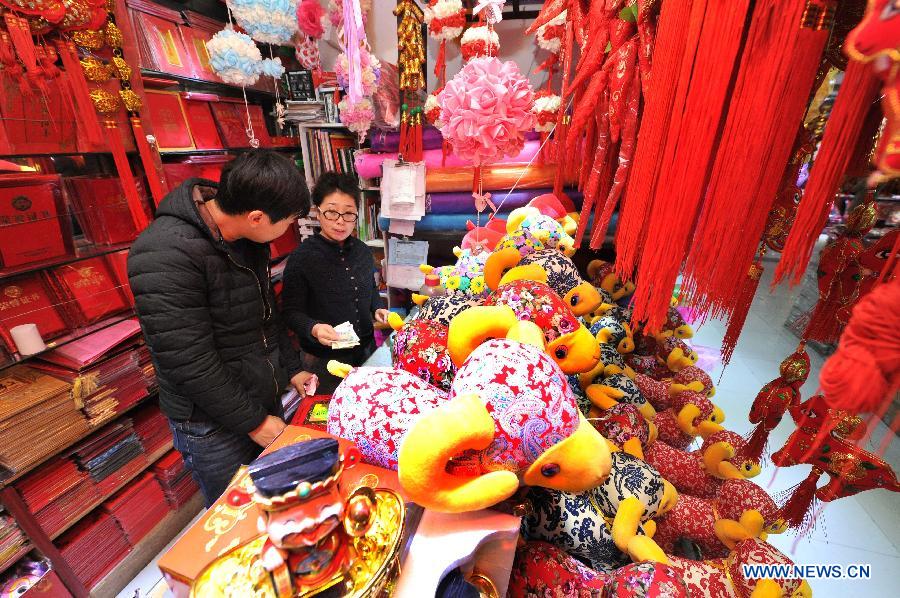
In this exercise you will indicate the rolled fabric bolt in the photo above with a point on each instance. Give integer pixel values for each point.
(27, 338)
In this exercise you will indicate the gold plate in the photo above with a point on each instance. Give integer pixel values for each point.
(374, 561)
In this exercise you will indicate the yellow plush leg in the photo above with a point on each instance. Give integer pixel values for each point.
(633, 447)
(463, 423)
(602, 396)
(649, 528)
(625, 524)
(395, 320)
(644, 548)
(419, 299)
(336, 368)
(767, 588)
(715, 455)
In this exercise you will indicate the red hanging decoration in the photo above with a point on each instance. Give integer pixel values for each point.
(20, 35)
(157, 190)
(864, 372)
(80, 92)
(857, 92)
(774, 399)
(740, 308)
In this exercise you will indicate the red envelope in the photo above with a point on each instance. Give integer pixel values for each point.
(169, 120)
(91, 289)
(202, 124)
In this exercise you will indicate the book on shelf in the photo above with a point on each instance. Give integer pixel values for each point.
(330, 151)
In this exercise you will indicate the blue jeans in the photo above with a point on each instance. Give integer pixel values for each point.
(213, 454)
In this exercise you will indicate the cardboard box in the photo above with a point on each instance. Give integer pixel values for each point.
(224, 527)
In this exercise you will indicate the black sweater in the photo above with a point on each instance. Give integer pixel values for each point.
(330, 283)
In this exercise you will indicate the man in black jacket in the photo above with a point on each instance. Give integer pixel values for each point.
(200, 277)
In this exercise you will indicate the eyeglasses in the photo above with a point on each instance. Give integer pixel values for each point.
(333, 215)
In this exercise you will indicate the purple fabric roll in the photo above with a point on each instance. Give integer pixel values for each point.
(389, 141)
(462, 202)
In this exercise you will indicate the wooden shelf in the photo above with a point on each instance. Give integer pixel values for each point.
(69, 337)
(20, 474)
(321, 125)
(205, 86)
(81, 254)
(142, 554)
(54, 154)
(151, 459)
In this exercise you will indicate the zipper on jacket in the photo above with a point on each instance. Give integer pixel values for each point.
(265, 318)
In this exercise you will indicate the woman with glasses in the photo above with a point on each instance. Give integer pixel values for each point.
(329, 280)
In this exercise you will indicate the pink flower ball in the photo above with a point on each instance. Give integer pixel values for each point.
(486, 110)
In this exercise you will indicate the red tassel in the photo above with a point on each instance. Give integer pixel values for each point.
(157, 190)
(440, 64)
(90, 125)
(129, 185)
(598, 167)
(740, 308)
(670, 47)
(561, 123)
(701, 99)
(20, 35)
(756, 442)
(798, 509)
(770, 96)
(858, 90)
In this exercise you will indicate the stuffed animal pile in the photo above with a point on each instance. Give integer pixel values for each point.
(539, 393)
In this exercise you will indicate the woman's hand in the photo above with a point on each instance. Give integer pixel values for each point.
(325, 334)
(381, 316)
(299, 382)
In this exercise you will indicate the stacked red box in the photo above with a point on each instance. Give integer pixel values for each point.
(90, 290)
(102, 209)
(175, 479)
(34, 224)
(138, 508)
(57, 493)
(94, 546)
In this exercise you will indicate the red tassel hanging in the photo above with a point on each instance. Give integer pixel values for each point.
(129, 185)
(740, 309)
(11, 66)
(714, 38)
(440, 64)
(90, 125)
(598, 168)
(797, 511)
(755, 447)
(563, 118)
(858, 90)
(20, 35)
(157, 189)
(770, 96)
(670, 47)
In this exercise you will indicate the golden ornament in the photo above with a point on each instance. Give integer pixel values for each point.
(132, 101)
(104, 101)
(123, 71)
(114, 35)
(95, 70)
(92, 40)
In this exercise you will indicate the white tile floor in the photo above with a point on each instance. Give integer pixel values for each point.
(853, 530)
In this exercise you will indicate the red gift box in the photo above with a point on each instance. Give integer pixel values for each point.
(36, 124)
(169, 120)
(202, 125)
(33, 224)
(161, 45)
(89, 289)
(29, 300)
(195, 34)
(102, 209)
(118, 262)
(231, 123)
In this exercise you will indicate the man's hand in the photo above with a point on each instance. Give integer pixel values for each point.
(325, 334)
(381, 316)
(267, 431)
(299, 382)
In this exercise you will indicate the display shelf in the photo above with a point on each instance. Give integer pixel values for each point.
(322, 125)
(151, 459)
(20, 474)
(197, 152)
(151, 76)
(4, 565)
(84, 253)
(141, 555)
(16, 359)
(59, 154)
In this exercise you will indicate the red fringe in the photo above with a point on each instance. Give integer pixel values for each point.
(705, 74)
(129, 185)
(755, 447)
(798, 509)
(740, 309)
(858, 90)
(769, 100)
(561, 126)
(90, 125)
(598, 166)
(670, 47)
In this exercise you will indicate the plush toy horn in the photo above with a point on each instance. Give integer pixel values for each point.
(395, 320)
(715, 460)
(498, 263)
(476, 325)
(462, 424)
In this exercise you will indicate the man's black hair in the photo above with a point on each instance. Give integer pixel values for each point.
(330, 182)
(263, 180)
